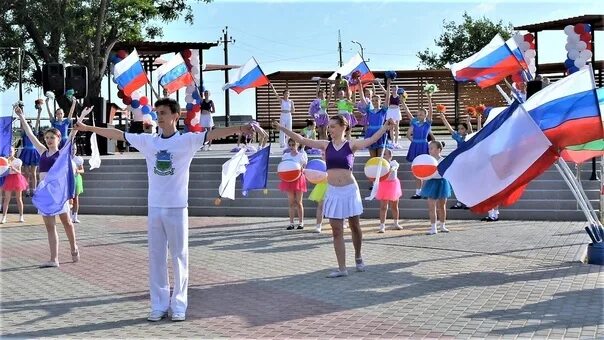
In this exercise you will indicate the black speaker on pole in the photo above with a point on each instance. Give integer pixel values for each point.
(53, 78)
(99, 114)
(76, 78)
(533, 87)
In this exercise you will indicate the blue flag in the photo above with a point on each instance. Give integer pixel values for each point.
(256, 173)
(58, 186)
(6, 138)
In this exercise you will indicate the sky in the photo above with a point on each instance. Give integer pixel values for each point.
(303, 35)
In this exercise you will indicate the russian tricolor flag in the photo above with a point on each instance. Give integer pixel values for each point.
(249, 76)
(174, 74)
(491, 64)
(129, 74)
(355, 64)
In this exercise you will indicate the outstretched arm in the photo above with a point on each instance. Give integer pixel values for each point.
(469, 122)
(444, 120)
(111, 133)
(72, 109)
(50, 116)
(275, 92)
(316, 144)
(365, 143)
(37, 126)
(430, 109)
(227, 131)
(407, 111)
(39, 146)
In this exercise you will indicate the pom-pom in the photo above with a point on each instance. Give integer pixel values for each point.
(217, 201)
(49, 95)
(440, 108)
(315, 107)
(390, 75)
(430, 88)
(480, 109)
(265, 191)
(471, 110)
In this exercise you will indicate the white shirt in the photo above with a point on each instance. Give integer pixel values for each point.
(168, 162)
(286, 105)
(301, 157)
(393, 170)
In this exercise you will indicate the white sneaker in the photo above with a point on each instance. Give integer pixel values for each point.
(444, 229)
(3, 220)
(338, 273)
(21, 219)
(382, 229)
(156, 315)
(360, 265)
(178, 317)
(75, 219)
(432, 231)
(318, 229)
(397, 226)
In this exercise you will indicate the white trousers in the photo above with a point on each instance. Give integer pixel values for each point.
(168, 228)
(285, 120)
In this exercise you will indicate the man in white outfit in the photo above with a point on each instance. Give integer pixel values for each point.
(168, 156)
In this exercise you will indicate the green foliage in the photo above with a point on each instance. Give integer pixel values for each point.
(459, 41)
(78, 32)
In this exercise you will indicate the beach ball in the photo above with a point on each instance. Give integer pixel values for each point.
(3, 165)
(17, 163)
(424, 167)
(316, 171)
(289, 171)
(372, 166)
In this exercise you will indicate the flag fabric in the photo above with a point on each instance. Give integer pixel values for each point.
(230, 170)
(494, 166)
(129, 74)
(256, 174)
(581, 153)
(355, 64)
(6, 133)
(497, 60)
(174, 74)
(568, 110)
(58, 186)
(95, 156)
(249, 76)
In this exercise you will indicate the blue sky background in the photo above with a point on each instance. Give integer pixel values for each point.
(296, 35)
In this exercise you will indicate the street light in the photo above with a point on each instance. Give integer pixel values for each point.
(361, 47)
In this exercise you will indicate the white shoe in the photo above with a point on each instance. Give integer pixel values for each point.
(318, 229)
(338, 273)
(75, 219)
(432, 231)
(397, 226)
(382, 229)
(21, 219)
(178, 317)
(360, 265)
(156, 315)
(3, 220)
(444, 229)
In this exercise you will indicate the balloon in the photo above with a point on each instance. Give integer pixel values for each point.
(518, 38)
(371, 168)
(532, 68)
(135, 103)
(529, 37)
(579, 28)
(3, 165)
(573, 38)
(573, 69)
(424, 167)
(581, 45)
(530, 53)
(587, 27)
(316, 171)
(289, 171)
(147, 118)
(585, 37)
(122, 54)
(144, 100)
(524, 46)
(573, 54)
(120, 94)
(17, 163)
(579, 63)
(153, 114)
(568, 46)
(569, 29)
(189, 106)
(146, 109)
(585, 54)
(568, 63)
(186, 54)
(136, 95)
(127, 100)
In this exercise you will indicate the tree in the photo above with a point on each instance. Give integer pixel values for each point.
(81, 32)
(460, 41)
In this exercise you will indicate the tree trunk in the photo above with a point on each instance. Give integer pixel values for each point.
(94, 86)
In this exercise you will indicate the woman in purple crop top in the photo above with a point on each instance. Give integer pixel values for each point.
(342, 199)
(48, 156)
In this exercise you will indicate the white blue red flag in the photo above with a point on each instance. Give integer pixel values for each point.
(249, 76)
(129, 74)
(174, 74)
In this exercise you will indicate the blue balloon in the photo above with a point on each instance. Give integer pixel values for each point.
(189, 106)
(587, 28)
(135, 103)
(568, 63)
(573, 69)
(146, 109)
(153, 114)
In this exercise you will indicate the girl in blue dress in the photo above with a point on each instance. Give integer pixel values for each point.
(375, 114)
(437, 190)
(418, 135)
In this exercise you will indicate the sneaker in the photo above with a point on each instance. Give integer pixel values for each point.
(457, 205)
(444, 229)
(156, 315)
(75, 219)
(397, 226)
(338, 273)
(415, 197)
(360, 265)
(318, 229)
(489, 219)
(3, 220)
(432, 231)
(49, 264)
(178, 317)
(290, 227)
(382, 229)
(300, 226)
(75, 256)
(21, 219)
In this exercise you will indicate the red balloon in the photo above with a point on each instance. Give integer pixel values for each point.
(143, 100)
(586, 36)
(127, 100)
(532, 45)
(120, 94)
(186, 54)
(196, 108)
(529, 37)
(122, 54)
(579, 28)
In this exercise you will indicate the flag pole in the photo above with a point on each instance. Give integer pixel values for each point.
(579, 188)
(153, 89)
(570, 181)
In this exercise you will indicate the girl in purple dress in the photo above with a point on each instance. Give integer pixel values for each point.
(418, 135)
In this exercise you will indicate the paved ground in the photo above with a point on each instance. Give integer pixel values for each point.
(250, 278)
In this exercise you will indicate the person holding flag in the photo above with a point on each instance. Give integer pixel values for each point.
(168, 157)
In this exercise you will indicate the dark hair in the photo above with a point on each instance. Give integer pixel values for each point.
(341, 121)
(465, 125)
(438, 144)
(286, 90)
(169, 102)
(309, 122)
(54, 131)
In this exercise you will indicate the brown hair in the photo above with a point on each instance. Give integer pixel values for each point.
(341, 121)
(170, 103)
(54, 131)
(438, 144)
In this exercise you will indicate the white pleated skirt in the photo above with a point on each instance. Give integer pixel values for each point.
(394, 113)
(342, 202)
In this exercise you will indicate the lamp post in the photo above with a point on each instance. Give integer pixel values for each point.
(361, 47)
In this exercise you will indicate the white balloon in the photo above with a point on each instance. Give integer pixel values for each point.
(573, 38)
(532, 68)
(585, 55)
(189, 98)
(568, 46)
(195, 69)
(581, 45)
(524, 46)
(530, 53)
(518, 38)
(147, 118)
(573, 54)
(579, 63)
(569, 29)
(136, 95)
(138, 110)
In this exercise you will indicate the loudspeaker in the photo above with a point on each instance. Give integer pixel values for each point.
(99, 114)
(533, 87)
(53, 78)
(76, 78)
